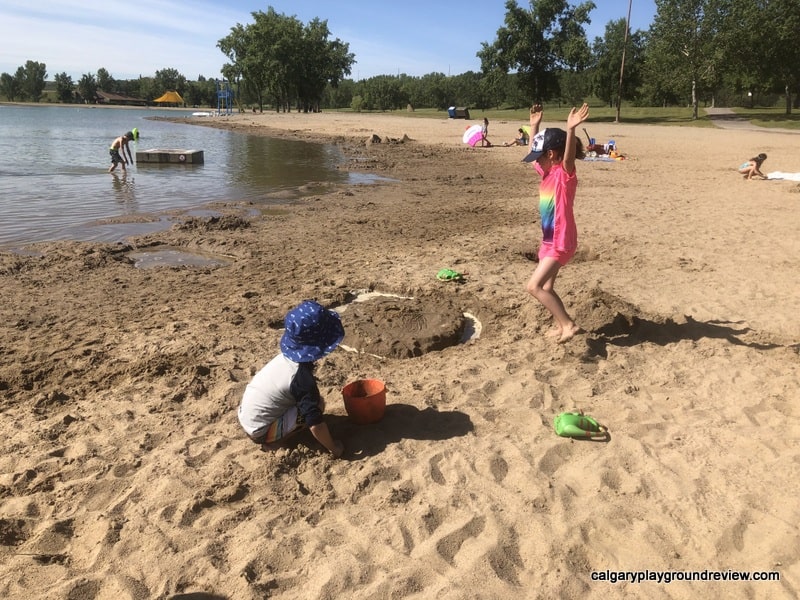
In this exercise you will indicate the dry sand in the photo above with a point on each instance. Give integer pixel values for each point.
(125, 474)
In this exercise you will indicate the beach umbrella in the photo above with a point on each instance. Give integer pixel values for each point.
(473, 135)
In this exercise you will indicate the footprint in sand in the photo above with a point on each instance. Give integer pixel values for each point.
(87, 590)
(434, 518)
(436, 473)
(13, 532)
(498, 468)
(375, 477)
(450, 544)
(505, 559)
(554, 458)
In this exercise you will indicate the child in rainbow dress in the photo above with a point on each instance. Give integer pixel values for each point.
(553, 152)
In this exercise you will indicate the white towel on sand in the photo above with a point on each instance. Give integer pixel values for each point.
(782, 175)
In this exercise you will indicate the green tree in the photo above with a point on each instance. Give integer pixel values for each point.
(33, 82)
(382, 92)
(465, 90)
(281, 42)
(608, 60)
(683, 52)
(105, 81)
(744, 50)
(766, 44)
(141, 87)
(573, 87)
(202, 92)
(490, 90)
(433, 90)
(10, 87)
(87, 87)
(539, 42)
(248, 59)
(321, 62)
(278, 58)
(19, 77)
(65, 88)
(340, 96)
(169, 79)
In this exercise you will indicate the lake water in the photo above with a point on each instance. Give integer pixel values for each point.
(54, 184)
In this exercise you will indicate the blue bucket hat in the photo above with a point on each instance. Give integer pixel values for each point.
(312, 331)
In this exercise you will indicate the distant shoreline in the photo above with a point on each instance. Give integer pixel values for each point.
(67, 105)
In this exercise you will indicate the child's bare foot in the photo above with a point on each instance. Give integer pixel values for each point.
(555, 332)
(568, 333)
(338, 449)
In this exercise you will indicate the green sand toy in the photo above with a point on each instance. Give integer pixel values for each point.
(449, 275)
(578, 425)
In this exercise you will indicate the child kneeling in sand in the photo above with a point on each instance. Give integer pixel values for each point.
(752, 168)
(283, 398)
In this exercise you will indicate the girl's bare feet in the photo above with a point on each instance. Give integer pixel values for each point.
(568, 333)
(555, 332)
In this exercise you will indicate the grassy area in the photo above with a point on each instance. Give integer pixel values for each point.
(598, 114)
(605, 114)
(771, 117)
(639, 115)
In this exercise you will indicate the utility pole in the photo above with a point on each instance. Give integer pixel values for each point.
(622, 66)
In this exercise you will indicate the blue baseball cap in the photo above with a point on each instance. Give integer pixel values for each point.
(551, 138)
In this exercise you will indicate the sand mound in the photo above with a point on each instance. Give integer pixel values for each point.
(398, 327)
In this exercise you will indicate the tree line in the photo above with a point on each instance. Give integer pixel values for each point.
(29, 84)
(279, 60)
(695, 51)
(725, 52)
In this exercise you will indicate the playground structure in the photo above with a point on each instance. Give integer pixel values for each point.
(225, 98)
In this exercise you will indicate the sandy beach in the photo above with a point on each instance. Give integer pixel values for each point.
(124, 473)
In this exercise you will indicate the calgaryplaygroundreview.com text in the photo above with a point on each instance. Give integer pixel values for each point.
(670, 576)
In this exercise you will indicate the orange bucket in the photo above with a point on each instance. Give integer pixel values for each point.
(365, 400)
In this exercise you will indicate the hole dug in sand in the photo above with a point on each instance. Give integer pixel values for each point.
(391, 326)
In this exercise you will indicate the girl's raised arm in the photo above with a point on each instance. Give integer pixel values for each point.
(575, 118)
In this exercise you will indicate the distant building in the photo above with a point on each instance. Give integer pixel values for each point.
(118, 99)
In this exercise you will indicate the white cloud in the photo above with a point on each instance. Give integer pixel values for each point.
(127, 40)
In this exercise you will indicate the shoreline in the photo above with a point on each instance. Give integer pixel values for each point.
(126, 473)
(72, 105)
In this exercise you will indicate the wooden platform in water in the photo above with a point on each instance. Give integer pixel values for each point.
(178, 157)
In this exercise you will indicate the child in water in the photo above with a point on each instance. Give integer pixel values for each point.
(553, 152)
(117, 151)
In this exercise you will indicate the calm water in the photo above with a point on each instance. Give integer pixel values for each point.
(54, 184)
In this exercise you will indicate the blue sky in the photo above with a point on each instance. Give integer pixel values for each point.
(139, 38)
